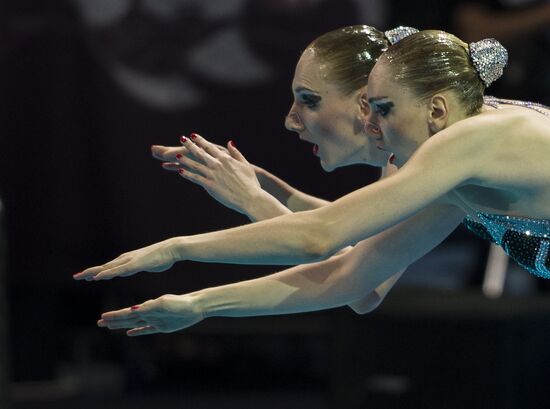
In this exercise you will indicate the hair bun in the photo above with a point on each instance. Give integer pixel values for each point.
(489, 58)
(399, 33)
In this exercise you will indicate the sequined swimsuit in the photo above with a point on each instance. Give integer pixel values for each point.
(525, 240)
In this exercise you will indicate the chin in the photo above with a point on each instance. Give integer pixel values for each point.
(327, 166)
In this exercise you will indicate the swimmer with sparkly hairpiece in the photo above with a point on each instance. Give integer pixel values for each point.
(461, 157)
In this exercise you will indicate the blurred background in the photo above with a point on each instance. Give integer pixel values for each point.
(86, 86)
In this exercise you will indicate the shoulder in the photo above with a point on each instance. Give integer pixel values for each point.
(453, 152)
(469, 145)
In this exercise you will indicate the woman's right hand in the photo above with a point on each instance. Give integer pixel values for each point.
(224, 173)
(165, 314)
(154, 258)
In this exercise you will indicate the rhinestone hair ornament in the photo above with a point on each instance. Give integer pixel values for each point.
(399, 33)
(489, 58)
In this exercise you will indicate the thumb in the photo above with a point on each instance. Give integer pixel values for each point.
(234, 152)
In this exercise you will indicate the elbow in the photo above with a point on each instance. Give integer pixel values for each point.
(367, 304)
(318, 241)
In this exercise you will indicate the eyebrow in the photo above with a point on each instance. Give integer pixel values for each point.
(374, 99)
(301, 89)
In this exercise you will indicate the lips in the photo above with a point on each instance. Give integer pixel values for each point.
(315, 149)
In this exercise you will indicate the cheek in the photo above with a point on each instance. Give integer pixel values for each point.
(322, 125)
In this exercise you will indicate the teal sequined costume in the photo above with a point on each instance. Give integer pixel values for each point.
(525, 240)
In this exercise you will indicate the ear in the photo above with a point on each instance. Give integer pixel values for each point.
(438, 114)
(363, 101)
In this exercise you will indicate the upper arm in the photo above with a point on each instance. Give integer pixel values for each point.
(439, 166)
(373, 261)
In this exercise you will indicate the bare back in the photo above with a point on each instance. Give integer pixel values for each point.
(514, 179)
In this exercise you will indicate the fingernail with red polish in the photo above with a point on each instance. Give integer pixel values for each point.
(193, 136)
(183, 139)
(179, 156)
(135, 307)
(75, 274)
(232, 143)
(181, 171)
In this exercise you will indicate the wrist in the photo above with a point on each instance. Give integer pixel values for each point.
(262, 205)
(176, 248)
(197, 304)
(202, 305)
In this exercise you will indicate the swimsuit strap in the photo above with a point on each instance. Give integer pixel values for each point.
(495, 102)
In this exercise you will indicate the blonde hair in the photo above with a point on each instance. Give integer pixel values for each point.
(432, 61)
(350, 54)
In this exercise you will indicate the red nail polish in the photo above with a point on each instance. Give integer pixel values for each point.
(179, 156)
(183, 139)
(232, 144)
(193, 136)
(75, 274)
(135, 307)
(181, 171)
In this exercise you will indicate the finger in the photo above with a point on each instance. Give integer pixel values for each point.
(147, 330)
(212, 149)
(171, 166)
(122, 314)
(122, 324)
(221, 148)
(193, 165)
(91, 272)
(194, 177)
(123, 270)
(168, 154)
(235, 153)
(199, 152)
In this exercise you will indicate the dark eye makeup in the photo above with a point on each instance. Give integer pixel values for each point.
(383, 108)
(310, 100)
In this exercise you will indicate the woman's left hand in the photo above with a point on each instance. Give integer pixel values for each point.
(168, 313)
(224, 173)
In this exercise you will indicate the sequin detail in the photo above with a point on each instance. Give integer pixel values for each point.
(489, 58)
(525, 240)
(496, 102)
(399, 33)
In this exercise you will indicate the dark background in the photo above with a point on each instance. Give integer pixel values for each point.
(78, 186)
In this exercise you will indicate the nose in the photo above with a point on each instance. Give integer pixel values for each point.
(293, 122)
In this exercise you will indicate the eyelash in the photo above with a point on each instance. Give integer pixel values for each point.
(310, 103)
(382, 110)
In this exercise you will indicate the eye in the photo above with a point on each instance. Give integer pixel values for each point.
(311, 101)
(382, 109)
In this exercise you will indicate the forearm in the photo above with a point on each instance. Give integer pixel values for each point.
(300, 201)
(264, 206)
(302, 288)
(289, 196)
(293, 238)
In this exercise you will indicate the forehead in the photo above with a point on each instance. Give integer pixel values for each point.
(380, 79)
(310, 70)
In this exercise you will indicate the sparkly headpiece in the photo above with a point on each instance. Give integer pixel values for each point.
(489, 58)
(399, 33)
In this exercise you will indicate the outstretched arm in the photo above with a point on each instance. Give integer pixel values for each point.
(317, 234)
(335, 282)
